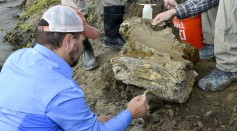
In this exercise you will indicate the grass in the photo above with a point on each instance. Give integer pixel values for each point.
(40, 5)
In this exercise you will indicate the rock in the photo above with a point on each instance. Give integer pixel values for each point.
(199, 123)
(223, 126)
(175, 123)
(136, 125)
(235, 108)
(195, 124)
(208, 113)
(154, 60)
(171, 112)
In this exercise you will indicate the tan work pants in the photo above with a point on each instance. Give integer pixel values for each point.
(81, 4)
(113, 2)
(220, 27)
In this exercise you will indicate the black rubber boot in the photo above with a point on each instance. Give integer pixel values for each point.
(89, 59)
(113, 17)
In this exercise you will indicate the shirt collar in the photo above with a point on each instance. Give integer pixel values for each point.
(64, 66)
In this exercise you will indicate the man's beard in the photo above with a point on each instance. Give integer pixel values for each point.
(73, 60)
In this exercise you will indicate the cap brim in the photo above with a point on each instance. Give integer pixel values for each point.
(89, 31)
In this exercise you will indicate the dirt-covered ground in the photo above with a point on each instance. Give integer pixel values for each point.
(204, 111)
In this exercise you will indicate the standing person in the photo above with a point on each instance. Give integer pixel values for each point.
(113, 17)
(219, 28)
(89, 60)
(36, 84)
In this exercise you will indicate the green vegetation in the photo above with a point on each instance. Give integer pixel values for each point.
(26, 27)
(91, 16)
(25, 32)
(29, 44)
(35, 9)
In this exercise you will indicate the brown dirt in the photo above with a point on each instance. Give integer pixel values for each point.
(203, 110)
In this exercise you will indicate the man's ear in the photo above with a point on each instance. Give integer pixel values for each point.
(67, 41)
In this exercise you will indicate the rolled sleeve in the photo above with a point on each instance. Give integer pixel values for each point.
(194, 7)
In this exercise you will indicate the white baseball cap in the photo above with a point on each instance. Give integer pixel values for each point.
(63, 18)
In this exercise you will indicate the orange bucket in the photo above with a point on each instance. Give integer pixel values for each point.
(190, 30)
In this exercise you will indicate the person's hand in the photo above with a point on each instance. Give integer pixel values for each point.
(104, 118)
(170, 4)
(164, 16)
(138, 106)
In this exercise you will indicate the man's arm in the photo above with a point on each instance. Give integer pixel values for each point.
(70, 111)
(170, 4)
(187, 9)
(193, 7)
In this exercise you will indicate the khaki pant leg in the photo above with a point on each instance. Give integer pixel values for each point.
(226, 36)
(113, 2)
(80, 4)
(208, 25)
(83, 7)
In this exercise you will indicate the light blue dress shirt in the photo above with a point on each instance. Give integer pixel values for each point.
(39, 94)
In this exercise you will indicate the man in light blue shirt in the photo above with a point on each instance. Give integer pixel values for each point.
(37, 88)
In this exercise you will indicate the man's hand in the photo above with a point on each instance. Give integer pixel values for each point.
(103, 119)
(164, 16)
(170, 4)
(138, 106)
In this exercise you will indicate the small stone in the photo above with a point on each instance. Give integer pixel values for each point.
(171, 112)
(175, 123)
(139, 121)
(222, 126)
(200, 124)
(195, 124)
(208, 113)
(153, 127)
(235, 108)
